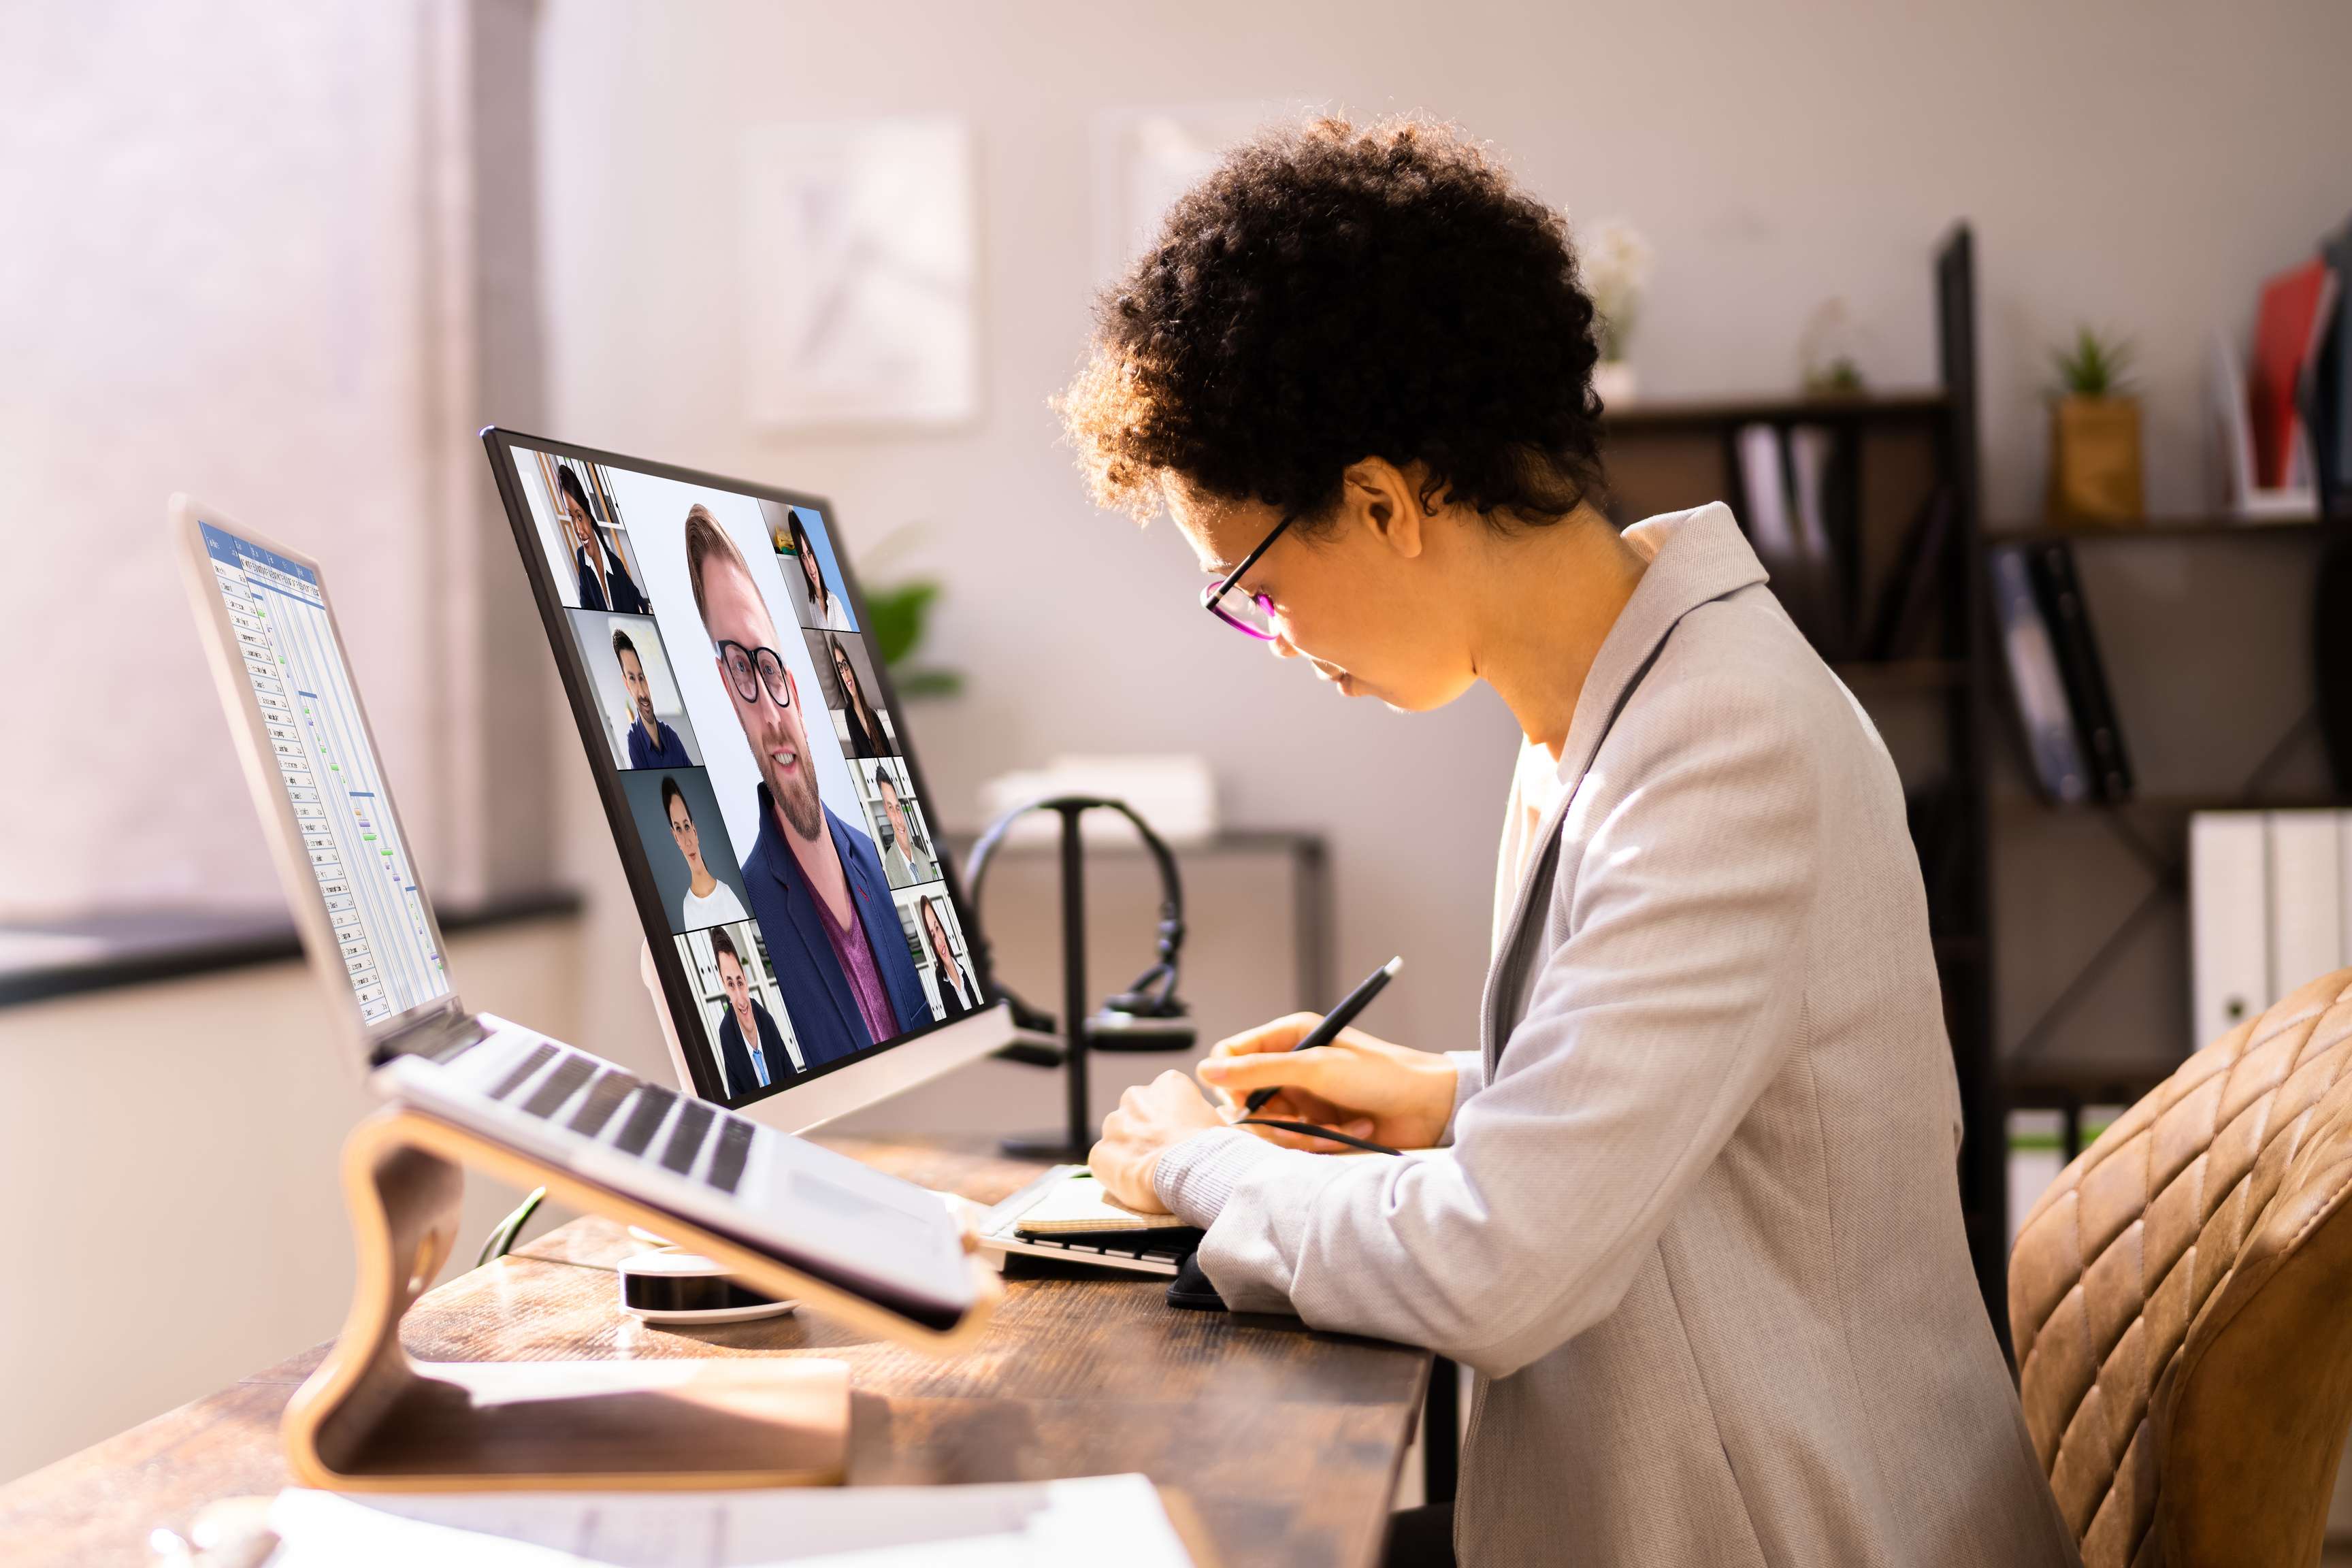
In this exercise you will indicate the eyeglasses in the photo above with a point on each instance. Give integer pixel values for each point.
(748, 668)
(1252, 613)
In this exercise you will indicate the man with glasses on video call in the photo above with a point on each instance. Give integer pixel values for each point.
(816, 882)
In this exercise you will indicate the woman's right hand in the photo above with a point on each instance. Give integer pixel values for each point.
(1358, 1084)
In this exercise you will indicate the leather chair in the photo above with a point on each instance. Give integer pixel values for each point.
(2181, 1300)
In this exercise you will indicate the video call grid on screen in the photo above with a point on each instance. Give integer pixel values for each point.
(611, 540)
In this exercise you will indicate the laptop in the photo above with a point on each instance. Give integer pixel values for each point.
(368, 926)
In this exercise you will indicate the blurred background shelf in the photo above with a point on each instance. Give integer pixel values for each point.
(1705, 415)
(2173, 531)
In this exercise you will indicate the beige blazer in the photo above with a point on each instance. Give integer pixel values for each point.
(1698, 1228)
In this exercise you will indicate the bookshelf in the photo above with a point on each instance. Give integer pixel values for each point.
(1904, 449)
(2197, 619)
(2176, 530)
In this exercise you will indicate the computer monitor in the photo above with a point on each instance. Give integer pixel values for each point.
(805, 926)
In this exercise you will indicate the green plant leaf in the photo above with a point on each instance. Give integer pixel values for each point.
(2093, 365)
(926, 681)
(896, 616)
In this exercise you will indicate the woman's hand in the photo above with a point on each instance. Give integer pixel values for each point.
(1358, 1084)
(1151, 1119)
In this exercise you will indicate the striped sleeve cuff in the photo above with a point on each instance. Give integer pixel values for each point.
(1196, 1176)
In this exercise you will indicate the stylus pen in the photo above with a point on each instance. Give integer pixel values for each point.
(1336, 1019)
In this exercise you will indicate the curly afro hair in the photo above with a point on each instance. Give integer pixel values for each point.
(1333, 293)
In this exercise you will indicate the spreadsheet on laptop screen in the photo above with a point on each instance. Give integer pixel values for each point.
(330, 775)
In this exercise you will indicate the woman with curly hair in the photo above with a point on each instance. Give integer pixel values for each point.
(1684, 1194)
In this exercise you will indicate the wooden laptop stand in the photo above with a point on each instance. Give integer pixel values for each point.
(370, 1419)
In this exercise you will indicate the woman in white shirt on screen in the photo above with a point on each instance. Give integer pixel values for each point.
(708, 901)
(824, 609)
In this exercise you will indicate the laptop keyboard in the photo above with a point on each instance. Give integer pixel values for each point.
(636, 1109)
(694, 1119)
(541, 1055)
(650, 1111)
(561, 1086)
(602, 1101)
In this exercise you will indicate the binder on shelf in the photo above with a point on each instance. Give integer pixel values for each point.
(2288, 326)
(1822, 488)
(2343, 880)
(1789, 528)
(2069, 616)
(2243, 496)
(2306, 912)
(2327, 407)
(2059, 769)
(2229, 921)
(1902, 614)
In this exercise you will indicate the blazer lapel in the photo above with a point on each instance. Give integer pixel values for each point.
(1696, 556)
(800, 900)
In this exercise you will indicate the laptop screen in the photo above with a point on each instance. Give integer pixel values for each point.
(759, 774)
(328, 771)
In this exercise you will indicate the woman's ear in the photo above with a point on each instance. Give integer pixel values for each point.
(1383, 499)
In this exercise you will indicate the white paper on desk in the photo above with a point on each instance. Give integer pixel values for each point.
(1017, 1525)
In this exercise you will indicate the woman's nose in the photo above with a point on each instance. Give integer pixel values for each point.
(1282, 646)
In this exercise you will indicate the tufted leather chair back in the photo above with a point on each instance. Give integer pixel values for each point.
(2180, 1302)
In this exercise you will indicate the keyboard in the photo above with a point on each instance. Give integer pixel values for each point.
(622, 1112)
(1159, 1252)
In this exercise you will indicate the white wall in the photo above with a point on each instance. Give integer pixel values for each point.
(210, 284)
(2137, 165)
(244, 258)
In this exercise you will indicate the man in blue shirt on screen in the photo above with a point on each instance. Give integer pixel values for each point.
(751, 1049)
(652, 743)
(816, 884)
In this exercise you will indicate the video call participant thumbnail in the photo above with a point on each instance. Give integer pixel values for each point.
(652, 743)
(867, 738)
(708, 901)
(751, 1049)
(816, 882)
(603, 576)
(958, 994)
(908, 859)
(826, 609)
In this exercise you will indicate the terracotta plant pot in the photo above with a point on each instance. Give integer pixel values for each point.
(2094, 468)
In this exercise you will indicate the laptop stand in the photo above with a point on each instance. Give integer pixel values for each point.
(371, 1419)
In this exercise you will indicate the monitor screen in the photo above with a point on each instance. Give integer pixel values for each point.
(760, 778)
(328, 769)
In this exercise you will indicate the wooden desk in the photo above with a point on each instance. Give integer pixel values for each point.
(1288, 1443)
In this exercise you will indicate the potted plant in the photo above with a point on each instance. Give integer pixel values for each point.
(898, 616)
(1616, 265)
(2095, 461)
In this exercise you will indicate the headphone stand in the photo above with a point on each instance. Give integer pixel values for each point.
(1072, 1144)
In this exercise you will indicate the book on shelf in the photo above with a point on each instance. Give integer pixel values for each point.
(2288, 324)
(1796, 503)
(2052, 742)
(2099, 737)
(2327, 390)
(1900, 621)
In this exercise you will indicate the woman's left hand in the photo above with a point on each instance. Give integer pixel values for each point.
(1151, 1119)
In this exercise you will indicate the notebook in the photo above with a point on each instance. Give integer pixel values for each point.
(1079, 1206)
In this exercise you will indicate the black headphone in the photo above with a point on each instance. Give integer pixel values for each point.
(1150, 1001)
